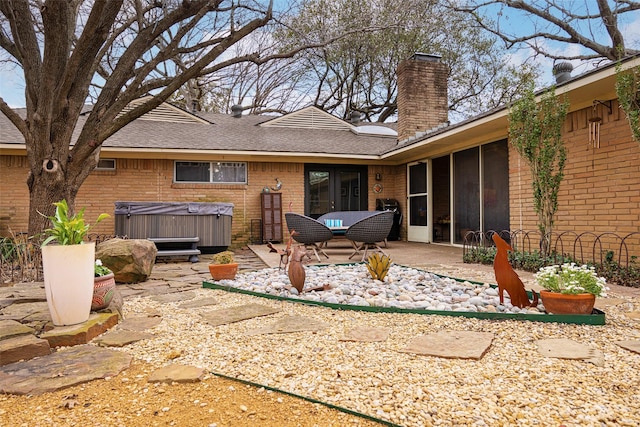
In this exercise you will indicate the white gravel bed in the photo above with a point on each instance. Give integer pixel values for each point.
(512, 385)
(403, 287)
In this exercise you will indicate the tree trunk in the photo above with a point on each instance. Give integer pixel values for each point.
(45, 189)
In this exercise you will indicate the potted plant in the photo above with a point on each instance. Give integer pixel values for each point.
(570, 288)
(104, 286)
(223, 266)
(68, 266)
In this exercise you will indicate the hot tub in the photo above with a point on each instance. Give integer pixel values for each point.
(211, 222)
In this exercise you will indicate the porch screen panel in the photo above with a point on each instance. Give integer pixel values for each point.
(466, 199)
(418, 194)
(495, 181)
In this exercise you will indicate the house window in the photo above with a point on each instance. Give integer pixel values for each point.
(106, 164)
(212, 172)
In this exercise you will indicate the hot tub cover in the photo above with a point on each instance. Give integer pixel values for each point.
(173, 208)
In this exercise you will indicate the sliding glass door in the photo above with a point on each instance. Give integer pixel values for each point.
(331, 188)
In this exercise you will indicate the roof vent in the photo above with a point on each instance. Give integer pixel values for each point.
(236, 110)
(562, 71)
(355, 117)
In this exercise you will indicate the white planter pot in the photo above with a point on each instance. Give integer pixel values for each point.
(68, 281)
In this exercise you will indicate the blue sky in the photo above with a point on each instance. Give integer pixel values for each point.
(12, 83)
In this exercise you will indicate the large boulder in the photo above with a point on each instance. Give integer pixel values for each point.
(131, 260)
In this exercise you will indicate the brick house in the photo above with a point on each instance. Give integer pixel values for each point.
(447, 178)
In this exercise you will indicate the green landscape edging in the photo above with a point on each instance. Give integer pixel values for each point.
(597, 317)
(309, 399)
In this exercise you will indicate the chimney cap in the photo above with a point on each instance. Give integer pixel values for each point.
(428, 57)
(236, 110)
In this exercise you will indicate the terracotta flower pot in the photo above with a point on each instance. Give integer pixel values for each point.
(103, 289)
(558, 303)
(223, 271)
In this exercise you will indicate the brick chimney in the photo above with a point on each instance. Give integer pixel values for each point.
(422, 94)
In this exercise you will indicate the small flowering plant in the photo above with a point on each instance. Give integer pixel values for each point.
(101, 270)
(571, 279)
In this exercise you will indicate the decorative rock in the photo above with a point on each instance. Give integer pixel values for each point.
(131, 260)
(406, 288)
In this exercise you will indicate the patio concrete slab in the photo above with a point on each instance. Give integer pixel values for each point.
(452, 344)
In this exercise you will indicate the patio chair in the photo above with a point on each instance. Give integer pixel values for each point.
(309, 232)
(366, 233)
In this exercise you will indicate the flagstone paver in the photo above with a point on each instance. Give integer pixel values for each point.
(366, 334)
(204, 302)
(62, 369)
(140, 323)
(631, 345)
(175, 297)
(22, 347)
(121, 338)
(452, 344)
(237, 314)
(291, 324)
(64, 336)
(177, 373)
(12, 328)
(564, 348)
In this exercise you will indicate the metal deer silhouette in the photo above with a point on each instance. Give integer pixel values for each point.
(508, 279)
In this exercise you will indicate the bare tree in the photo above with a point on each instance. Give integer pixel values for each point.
(113, 51)
(358, 73)
(594, 26)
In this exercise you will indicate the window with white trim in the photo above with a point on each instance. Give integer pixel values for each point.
(211, 172)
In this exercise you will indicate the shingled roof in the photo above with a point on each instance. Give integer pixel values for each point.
(307, 131)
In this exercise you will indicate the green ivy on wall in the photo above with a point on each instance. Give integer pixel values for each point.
(628, 91)
(535, 131)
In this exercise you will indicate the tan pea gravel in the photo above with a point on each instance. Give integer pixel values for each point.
(512, 385)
